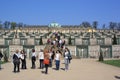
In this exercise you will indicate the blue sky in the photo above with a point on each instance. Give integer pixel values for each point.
(69, 12)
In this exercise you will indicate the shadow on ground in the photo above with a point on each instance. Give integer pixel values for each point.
(117, 77)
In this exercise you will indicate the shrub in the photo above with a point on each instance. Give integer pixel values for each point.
(101, 57)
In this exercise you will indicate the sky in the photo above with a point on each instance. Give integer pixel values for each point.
(64, 12)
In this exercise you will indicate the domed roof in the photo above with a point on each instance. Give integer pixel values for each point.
(54, 24)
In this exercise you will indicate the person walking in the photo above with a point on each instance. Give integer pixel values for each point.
(46, 61)
(57, 59)
(23, 59)
(1, 55)
(16, 61)
(50, 58)
(66, 59)
(41, 58)
(33, 59)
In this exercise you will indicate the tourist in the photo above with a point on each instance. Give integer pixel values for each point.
(23, 59)
(66, 59)
(50, 58)
(69, 55)
(1, 55)
(60, 43)
(41, 58)
(53, 55)
(46, 61)
(57, 59)
(16, 61)
(48, 41)
(33, 59)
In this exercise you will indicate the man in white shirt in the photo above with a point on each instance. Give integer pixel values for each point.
(41, 58)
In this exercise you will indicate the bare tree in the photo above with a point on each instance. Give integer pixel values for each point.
(104, 26)
(6, 24)
(0, 24)
(95, 24)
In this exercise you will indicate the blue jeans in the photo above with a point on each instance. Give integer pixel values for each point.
(57, 64)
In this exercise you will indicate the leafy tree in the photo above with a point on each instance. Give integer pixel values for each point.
(114, 40)
(13, 25)
(101, 57)
(95, 24)
(86, 24)
(69, 40)
(41, 42)
(5, 56)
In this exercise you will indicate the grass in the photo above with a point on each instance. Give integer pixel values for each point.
(3, 62)
(112, 62)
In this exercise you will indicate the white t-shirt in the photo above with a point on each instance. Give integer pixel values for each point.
(41, 55)
(34, 54)
(50, 54)
(54, 42)
(57, 57)
(22, 56)
(66, 55)
(60, 41)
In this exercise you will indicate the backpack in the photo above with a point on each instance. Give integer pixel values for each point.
(46, 61)
(69, 56)
(16, 60)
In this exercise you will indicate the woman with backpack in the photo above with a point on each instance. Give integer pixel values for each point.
(16, 61)
(67, 58)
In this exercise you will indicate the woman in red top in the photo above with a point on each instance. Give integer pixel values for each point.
(46, 61)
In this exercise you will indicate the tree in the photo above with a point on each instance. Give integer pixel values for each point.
(41, 42)
(118, 26)
(114, 40)
(112, 25)
(101, 57)
(95, 24)
(0, 24)
(69, 40)
(86, 24)
(103, 27)
(5, 56)
(6, 24)
(13, 25)
(20, 25)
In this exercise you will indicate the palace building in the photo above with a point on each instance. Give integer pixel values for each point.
(85, 42)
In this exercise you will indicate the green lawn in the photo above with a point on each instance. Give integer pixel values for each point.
(3, 62)
(112, 62)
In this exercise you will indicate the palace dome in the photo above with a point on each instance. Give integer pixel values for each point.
(54, 24)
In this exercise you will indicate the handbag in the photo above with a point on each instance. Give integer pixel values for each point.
(46, 61)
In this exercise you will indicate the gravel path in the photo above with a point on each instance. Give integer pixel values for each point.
(80, 69)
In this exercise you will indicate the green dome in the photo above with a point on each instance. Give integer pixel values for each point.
(54, 24)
